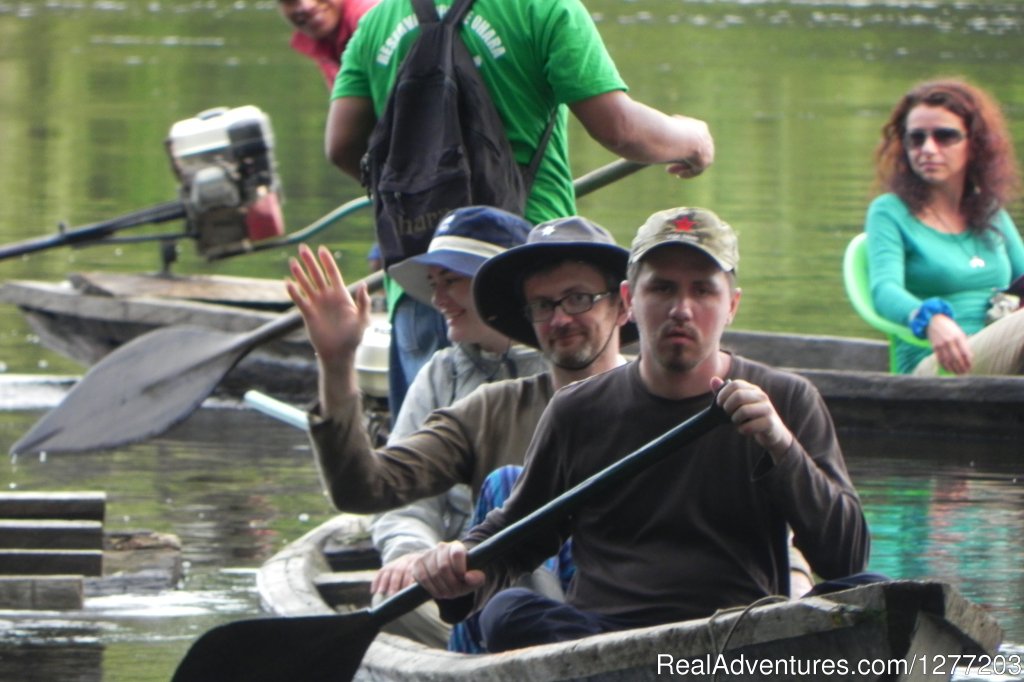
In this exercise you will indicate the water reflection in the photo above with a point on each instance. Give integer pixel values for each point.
(951, 510)
(77, 661)
(235, 486)
(795, 93)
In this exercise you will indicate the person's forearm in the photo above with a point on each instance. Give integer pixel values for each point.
(347, 164)
(338, 380)
(362, 480)
(345, 458)
(641, 133)
(825, 513)
(655, 137)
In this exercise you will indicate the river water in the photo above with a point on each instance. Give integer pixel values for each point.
(795, 93)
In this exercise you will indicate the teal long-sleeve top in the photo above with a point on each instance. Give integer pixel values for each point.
(909, 262)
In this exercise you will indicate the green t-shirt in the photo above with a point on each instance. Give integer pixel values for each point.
(534, 55)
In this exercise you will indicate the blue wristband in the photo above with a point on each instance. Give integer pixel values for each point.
(920, 318)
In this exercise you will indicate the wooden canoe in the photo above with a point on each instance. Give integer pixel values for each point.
(90, 314)
(907, 622)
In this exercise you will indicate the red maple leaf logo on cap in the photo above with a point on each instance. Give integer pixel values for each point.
(684, 224)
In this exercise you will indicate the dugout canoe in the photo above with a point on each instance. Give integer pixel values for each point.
(88, 315)
(897, 624)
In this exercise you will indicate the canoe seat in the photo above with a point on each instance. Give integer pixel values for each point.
(858, 289)
(349, 588)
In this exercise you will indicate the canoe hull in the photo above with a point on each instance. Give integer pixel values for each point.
(87, 320)
(906, 626)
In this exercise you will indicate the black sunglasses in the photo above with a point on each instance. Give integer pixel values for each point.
(944, 137)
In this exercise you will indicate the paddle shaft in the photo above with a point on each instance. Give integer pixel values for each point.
(170, 210)
(565, 504)
(332, 647)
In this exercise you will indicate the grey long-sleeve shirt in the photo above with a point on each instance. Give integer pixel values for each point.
(452, 373)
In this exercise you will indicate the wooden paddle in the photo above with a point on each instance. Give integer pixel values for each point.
(149, 384)
(156, 380)
(315, 648)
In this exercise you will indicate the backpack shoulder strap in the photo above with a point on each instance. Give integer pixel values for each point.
(426, 11)
(530, 172)
(457, 12)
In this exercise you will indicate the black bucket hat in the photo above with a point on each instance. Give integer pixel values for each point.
(497, 286)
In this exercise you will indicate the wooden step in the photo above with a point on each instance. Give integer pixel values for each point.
(51, 561)
(81, 506)
(50, 534)
(50, 593)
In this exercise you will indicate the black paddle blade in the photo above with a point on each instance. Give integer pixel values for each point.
(261, 650)
(139, 390)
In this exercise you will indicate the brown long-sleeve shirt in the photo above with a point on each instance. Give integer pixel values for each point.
(702, 530)
(461, 443)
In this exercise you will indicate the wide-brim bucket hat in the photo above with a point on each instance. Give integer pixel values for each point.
(464, 240)
(497, 286)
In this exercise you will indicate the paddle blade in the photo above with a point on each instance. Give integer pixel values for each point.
(309, 648)
(139, 390)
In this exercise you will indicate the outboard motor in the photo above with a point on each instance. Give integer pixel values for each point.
(224, 160)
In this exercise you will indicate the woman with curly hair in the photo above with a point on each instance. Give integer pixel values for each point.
(941, 246)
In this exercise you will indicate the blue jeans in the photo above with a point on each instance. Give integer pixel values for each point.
(516, 618)
(466, 636)
(417, 331)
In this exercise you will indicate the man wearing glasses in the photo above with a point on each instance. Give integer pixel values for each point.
(558, 292)
(706, 528)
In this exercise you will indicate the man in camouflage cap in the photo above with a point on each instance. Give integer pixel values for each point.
(696, 227)
(704, 529)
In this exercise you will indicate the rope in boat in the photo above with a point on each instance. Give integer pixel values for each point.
(744, 611)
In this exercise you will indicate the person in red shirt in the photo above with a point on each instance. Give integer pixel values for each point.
(323, 29)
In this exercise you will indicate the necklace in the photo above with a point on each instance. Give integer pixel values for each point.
(975, 261)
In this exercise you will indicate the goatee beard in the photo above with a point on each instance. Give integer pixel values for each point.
(574, 361)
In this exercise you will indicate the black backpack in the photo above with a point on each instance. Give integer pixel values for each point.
(440, 143)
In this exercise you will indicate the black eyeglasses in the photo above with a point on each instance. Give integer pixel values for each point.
(573, 304)
(944, 137)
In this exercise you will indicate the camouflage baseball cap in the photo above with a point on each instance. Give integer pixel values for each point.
(696, 227)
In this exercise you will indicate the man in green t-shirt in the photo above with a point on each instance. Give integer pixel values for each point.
(534, 56)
